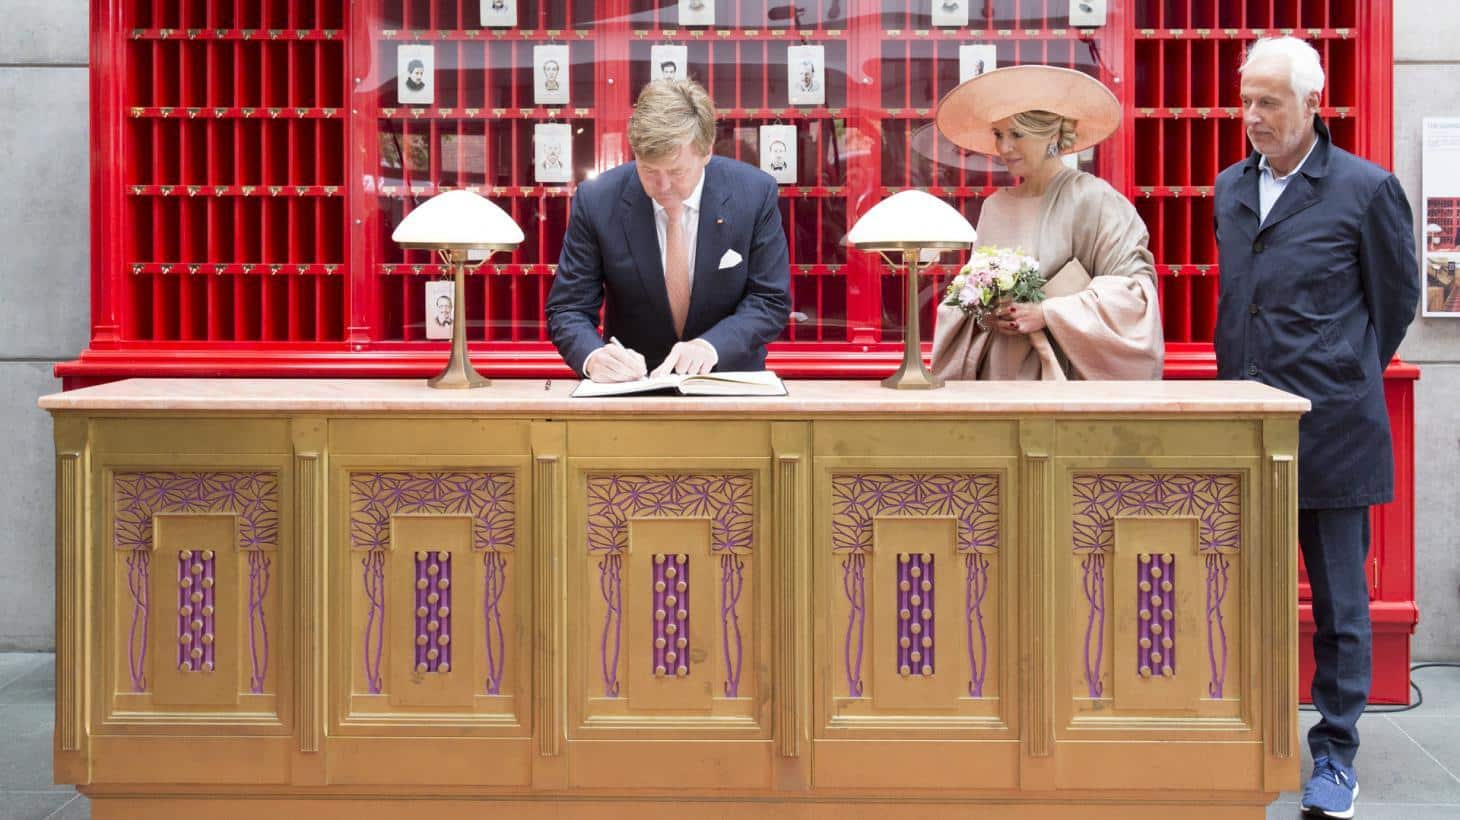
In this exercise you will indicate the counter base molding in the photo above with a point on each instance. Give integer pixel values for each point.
(564, 807)
(362, 600)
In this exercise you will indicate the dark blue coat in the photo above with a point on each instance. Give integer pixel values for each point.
(1316, 302)
(611, 251)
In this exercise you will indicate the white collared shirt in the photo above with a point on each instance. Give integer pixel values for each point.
(1270, 186)
(690, 216)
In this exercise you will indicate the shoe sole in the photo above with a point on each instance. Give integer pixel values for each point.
(1340, 815)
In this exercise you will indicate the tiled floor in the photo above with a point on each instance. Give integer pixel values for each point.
(1409, 768)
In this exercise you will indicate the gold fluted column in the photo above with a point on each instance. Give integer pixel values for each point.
(73, 609)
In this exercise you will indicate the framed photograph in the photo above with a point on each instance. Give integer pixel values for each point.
(778, 152)
(415, 74)
(806, 67)
(974, 60)
(696, 12)
(499, 13)
(552, 152)
(550, 75)
(950, 12)
(440, 308)
(1440, 228)
(668, 62)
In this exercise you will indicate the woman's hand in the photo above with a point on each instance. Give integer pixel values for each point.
(1019, 318)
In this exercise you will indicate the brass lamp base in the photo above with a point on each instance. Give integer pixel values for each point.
(912, 375)
(459, 374)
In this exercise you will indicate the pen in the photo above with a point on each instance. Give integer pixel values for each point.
(613, 340)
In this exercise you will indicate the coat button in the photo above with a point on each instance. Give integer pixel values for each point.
(1252, 370)
(1253, 309)
(1257, 246)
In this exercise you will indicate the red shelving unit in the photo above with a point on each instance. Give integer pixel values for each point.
(250, 159)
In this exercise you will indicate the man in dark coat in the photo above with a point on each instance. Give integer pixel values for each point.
(686, 249)
(1319, 282)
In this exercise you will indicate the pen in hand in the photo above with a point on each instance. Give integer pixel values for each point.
(640, 369)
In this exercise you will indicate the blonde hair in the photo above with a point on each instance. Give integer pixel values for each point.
(1046, 124)
(668, 114)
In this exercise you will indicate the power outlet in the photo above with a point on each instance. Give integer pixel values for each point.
(1087, 13)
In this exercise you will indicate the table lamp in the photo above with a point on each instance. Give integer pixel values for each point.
(913, 222)
(453, 223)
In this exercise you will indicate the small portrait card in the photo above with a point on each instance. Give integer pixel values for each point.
(550, 75)
(415, 75)
(806, 67)
(975, 60)
(696, 12)
(552, 152)
(668, 62)
(950, 12)
(440, 308)
(499, 13)
(778, 152)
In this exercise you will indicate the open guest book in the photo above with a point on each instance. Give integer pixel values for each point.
(731, 383)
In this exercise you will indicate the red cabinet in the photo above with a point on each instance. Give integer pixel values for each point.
(251, 158)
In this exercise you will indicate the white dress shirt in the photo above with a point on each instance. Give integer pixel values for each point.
(1270, 186)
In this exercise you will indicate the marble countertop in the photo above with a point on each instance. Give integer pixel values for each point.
(539, 397)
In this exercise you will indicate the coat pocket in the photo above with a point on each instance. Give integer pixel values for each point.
(1339, 354)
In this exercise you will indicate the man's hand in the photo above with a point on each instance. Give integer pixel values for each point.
(690, 358)
(614, 363)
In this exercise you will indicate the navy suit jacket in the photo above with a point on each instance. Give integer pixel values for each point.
(1315, 301)
(611, 254)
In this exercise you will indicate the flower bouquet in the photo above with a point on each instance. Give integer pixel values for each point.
(994, 276)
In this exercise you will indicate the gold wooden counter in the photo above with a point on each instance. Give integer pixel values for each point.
(368, 599)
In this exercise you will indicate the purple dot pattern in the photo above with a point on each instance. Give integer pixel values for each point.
(671, 616)
(1215, 499)
(915, 615)
(195, 608)
(433, 612)
(1156, 615)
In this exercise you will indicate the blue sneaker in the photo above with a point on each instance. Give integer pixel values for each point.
(1330, 791)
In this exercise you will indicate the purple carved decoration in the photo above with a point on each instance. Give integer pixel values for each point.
(971, 499)
(671, 616)
(373, 577)
(251, 496)
(732, 583)
(494, 569)
(258, 627)
(433, 612)
(138, 562)
(195, 610)
(1156, 630)
(976, 586)
(488, 498)
(1215, 499)
(915, 615)
(727, 499)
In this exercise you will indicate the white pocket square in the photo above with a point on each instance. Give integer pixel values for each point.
(730, 259)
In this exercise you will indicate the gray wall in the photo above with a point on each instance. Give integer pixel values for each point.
(44, 295)
(44, 285)
(1427, 84)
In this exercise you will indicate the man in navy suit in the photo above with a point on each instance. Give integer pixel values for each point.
(1319, 282)
(685, 248)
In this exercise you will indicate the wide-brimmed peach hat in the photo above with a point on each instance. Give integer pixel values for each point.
(967, 114)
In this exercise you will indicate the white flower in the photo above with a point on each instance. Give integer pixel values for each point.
(1005, 280)
(972, 295)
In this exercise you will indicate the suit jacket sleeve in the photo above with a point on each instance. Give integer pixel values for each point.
(1388, 266)
(577, 293)
(765, 307)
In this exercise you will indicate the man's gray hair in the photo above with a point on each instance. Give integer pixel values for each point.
(1304, 65)
(668, 114)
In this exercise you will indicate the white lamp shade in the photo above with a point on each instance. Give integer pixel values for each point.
(1432, 228)
(911, 218)
(458, 219)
